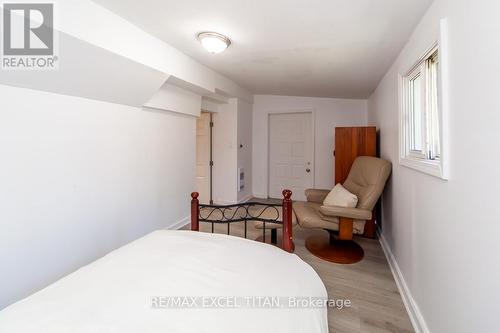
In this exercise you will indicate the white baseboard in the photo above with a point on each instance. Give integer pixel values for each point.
(260, 196)
(245, 199)
(224, 202)
(411, 306)
(179, 224)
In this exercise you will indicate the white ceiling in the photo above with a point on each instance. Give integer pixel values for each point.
(324, 48)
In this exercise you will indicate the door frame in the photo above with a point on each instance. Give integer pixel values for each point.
(210, 153)
(313, 141)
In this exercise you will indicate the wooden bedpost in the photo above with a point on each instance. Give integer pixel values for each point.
(287, 221)
(195, 218)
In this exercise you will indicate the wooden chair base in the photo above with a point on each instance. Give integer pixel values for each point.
(337, 251)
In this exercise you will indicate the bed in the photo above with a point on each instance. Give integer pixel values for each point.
(128, 290)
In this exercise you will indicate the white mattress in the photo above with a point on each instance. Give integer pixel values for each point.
(115, 293)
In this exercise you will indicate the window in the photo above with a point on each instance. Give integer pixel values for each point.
(420, 114)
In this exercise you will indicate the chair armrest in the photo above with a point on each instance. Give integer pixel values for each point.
(351, 213)
(314, 195)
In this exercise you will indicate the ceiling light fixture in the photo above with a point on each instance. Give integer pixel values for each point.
(214, 42)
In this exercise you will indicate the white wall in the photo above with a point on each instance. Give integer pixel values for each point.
(175, 99)
(80, 178)
(444, 235)
(328, 113)
(245, 152)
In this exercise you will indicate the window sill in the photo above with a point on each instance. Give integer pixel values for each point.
(432, 168)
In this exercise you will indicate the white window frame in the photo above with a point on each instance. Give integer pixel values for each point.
(414, 73)
(419, 160)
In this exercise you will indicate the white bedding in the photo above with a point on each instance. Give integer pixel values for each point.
(116, 292)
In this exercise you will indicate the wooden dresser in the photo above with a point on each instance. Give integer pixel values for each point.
(351, 142)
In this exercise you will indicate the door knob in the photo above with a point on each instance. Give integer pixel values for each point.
(308, 170)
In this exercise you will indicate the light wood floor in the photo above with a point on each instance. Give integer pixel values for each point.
(377, 306)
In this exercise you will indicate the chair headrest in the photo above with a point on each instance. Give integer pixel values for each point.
(367, 179)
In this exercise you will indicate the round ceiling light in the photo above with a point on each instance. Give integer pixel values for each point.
(214, 42)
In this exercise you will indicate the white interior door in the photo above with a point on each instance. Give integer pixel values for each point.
(290, 154)
(203, 157)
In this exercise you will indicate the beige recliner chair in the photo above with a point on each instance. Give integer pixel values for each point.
(366, 180)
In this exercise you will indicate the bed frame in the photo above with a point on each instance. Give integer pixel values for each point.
(244, 212)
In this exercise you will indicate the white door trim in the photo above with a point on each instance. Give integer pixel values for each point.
(203, 184)
(313, 140)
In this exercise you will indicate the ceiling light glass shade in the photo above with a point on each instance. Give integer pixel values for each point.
(214, 42)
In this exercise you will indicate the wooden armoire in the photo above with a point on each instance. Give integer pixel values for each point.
(351, 142)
